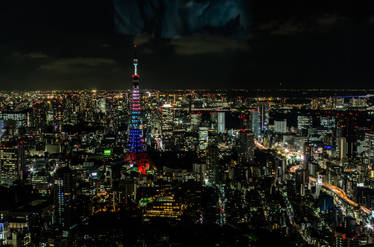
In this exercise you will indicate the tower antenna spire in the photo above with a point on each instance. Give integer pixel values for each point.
(135, 75)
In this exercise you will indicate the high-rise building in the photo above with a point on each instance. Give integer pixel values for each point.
(342, 148)
(167, 119)
(260, 119)
(167, 127)
(346, 239)
(345, 127)
(12, 163)
(280, 126)
(20, 161)
(327, 122)
(255, 117)
(101, 105)
(246, 145)
(365, 196)
(8, 161)
(2, 128)
(195, 121)
(221, 122)
(280, 166)
(164, 206)
(263, 110)
(19, 117)
(303, 124)
(203, 138)
(63, 196)
(369, 148)
(306, 163)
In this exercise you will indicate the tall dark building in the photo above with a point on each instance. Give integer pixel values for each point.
(345, 130)
(63, 196)
(246, 146)
(20, 161)
(306, 163)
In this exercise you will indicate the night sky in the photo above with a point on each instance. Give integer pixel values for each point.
(289, 44)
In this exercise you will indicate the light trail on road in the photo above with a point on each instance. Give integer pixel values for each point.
(294, 168)
(259, 145)
(338, 191)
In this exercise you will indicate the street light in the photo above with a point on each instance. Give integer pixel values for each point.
(369, 226)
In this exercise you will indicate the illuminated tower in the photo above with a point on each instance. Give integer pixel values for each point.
(136, 138)
(136, 148)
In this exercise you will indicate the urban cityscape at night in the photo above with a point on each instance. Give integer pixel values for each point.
(221, 123)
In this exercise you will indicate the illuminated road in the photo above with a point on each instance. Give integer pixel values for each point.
(294, 168)
(366, 210)
(216, 109)
(259, 145)
(338, 191)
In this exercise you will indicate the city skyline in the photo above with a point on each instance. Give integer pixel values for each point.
(218, 123)
(295, 167)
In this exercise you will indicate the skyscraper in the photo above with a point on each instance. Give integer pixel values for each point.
(280, 126)
(342, 148)
(306, 163)
(303, 124)
(203, 138)
(20, 161)
(260, 119)
(221, 122)
(63, 195)
(369, 148)
(327, 122)
(263, 110)
(255, 117)
(246, 146)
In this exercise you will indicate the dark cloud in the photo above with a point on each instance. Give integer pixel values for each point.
(315, 24)
(196, 45)
(170, 19)
(301, 44)
(31, 55)
(78, 65)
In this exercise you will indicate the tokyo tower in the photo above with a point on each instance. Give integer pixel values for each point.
(136, 147)
(135, 129)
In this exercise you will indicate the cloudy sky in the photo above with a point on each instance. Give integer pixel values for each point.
(78, 45)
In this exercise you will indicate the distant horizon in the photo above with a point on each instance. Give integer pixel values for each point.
(201, 89)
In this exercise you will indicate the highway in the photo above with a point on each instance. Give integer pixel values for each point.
(259, 145)
(338, 191)
(210, 109)
(294, 168)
